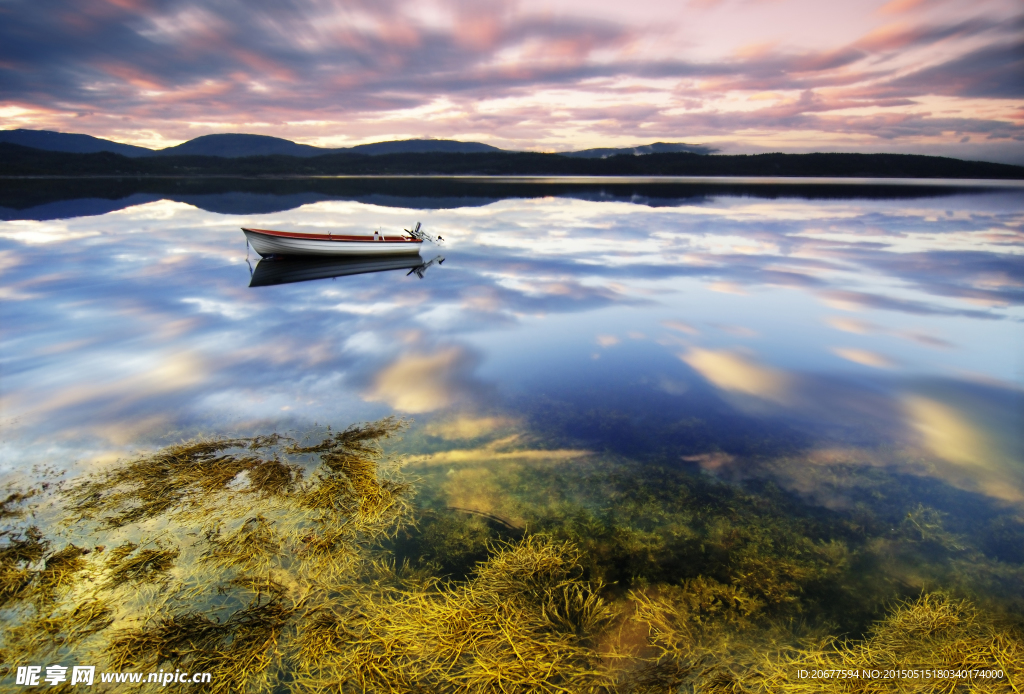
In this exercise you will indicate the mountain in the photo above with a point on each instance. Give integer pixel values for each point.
(233, 145)
(16, 160)
(420, 146)
(236, 145)
(69, 142)
(653, 148)
(230, 145)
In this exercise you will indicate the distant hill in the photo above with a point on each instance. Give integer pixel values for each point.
(233, 145)
(229, 145)
(419, 147)
(16, 160)
(69, 142)
(653, 148)
(237, 145)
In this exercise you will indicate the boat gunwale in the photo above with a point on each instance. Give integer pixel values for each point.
(338, 238)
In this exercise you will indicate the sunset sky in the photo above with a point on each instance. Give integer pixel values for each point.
(923, 76)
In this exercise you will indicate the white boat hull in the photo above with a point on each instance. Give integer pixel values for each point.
(267, 242)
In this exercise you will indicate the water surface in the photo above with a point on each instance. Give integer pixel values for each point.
(847, 354)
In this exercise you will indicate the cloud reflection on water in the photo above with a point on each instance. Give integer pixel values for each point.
(416, 383)
(466, 426)
(736, 373)
(943, 429)
(156, 294)
(975, 440)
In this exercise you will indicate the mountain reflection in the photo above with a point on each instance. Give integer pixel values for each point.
(740, 331)
(34, 200)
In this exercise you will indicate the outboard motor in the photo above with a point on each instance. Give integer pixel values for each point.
(416, 233)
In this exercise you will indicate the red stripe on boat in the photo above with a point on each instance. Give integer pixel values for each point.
(333, 237)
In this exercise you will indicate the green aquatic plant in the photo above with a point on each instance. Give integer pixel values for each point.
(671, 528)
(675, 612)
(285, 564)
(180, 479)
(577, 608)
(933, 632)
(60, 571)
(701, 632)
(22, 547)
(202, 525)
(126, 566)
(495, 632)
(240, 649)
(253, 547)
(936, 631)
(13, 505)
(264, 561)
(50, 632)
(20, 551)
(447, 543)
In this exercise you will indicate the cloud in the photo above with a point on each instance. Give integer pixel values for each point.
(509, 448)
(864, 357)
(854, 300)
(851, 325)
(736, 373)
(992, 72)
(737, 330)
(168, 70)
(680, 327)
(417, 382)
(951, 433)
(860, 327)
(466, 426)
(150, 378)
(993, 277)
(976, 458)
(727, 288)
(476, 479)
(900, 6)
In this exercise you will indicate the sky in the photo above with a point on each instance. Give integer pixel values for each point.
(941, 77)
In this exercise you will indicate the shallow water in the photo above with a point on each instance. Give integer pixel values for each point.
(847, 356)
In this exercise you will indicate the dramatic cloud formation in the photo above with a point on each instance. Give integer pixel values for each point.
(743, 75)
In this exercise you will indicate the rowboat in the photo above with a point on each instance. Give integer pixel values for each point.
(273, 271)
(267, 242)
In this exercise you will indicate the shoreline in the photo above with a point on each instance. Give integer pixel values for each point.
(568, 179)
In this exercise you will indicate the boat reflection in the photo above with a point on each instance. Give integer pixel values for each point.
(422, 268)
(287, 270)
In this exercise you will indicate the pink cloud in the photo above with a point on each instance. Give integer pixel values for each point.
(900, 6)
(498, 72)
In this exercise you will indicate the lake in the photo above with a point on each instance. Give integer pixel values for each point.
(739, 412)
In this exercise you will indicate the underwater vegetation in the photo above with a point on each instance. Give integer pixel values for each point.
(933, 628)
(306, 564)
(707, 655)
(641, 525)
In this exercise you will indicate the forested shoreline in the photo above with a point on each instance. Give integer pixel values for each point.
(17, 161)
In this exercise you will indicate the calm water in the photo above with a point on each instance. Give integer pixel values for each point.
(853, 322)
(853, 353)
